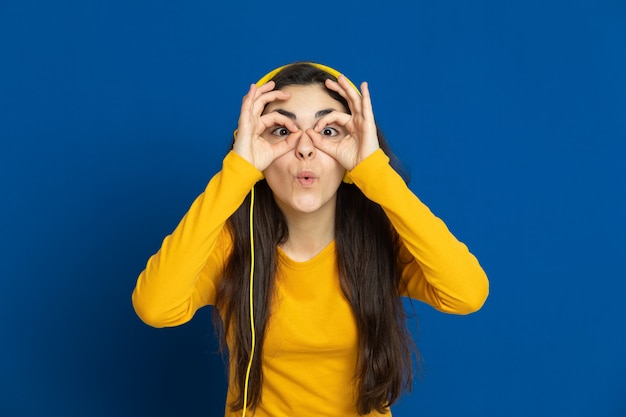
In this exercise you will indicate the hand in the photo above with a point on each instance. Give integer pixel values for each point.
(249, 143)
(361, 138)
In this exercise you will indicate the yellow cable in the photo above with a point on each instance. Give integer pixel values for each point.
(245, 391)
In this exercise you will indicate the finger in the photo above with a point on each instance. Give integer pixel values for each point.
(273, 119)
(261, 91)
(320, 143)
(262, 100)
(253, 105)
(335, 117)
(269, 86)
(244, 113)
(347, 91)
(353, 95)
(329, 147)
(334, 85)
(255, 92)
(282, 147)
(366, 106)
(246, 101)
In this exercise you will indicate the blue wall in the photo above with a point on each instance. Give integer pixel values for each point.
(511, 116)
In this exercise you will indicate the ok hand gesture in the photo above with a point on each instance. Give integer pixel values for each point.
(361, 138)
(249, 143)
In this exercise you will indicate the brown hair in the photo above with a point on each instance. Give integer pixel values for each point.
(366, 251)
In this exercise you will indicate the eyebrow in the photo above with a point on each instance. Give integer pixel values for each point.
(292, 116)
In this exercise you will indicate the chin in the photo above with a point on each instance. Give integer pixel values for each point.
(306, 208)
(306, 205)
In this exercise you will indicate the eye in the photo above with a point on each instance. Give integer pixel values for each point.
(329, 132)
(281, 131)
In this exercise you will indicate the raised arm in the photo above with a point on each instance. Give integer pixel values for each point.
(177, 280)
(438, 269)
(182, 276)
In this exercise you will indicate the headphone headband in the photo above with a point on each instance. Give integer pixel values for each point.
(267, 77)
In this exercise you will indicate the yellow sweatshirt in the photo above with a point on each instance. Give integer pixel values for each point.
(310, 350)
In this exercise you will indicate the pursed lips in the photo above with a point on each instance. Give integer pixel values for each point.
(306, 178)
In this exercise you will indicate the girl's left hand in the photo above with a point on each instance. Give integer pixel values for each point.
(360, 139)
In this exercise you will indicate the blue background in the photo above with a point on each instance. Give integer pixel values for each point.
(511, 116)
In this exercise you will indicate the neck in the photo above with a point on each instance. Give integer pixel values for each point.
(309, 233)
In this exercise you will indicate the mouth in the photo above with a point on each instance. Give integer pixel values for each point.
(306, 178)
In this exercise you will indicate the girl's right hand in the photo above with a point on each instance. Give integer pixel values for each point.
(249, 142)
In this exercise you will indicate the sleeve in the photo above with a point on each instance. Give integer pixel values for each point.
(183, 275)
(436, 268)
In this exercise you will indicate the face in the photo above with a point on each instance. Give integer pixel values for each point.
(305, 180)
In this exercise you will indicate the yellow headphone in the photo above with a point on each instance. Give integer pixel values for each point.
(267, 77)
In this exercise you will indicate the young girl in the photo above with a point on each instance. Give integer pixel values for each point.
(337, 239)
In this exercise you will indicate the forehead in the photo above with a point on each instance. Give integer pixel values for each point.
(306, 99)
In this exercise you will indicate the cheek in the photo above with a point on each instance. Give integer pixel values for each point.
(275, 176)
(339, 179)
(339, 173)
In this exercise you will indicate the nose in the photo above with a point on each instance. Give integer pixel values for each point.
(305, 148)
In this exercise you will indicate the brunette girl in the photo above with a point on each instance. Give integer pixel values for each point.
(337, 239)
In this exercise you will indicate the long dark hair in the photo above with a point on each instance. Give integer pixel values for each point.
(366, 251)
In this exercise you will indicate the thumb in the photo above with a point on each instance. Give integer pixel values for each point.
(287, 145)
(337, 150)
(320, 143)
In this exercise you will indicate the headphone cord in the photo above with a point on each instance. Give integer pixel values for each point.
(252, 331)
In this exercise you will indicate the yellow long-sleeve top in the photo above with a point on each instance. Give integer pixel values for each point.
(310, 350)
